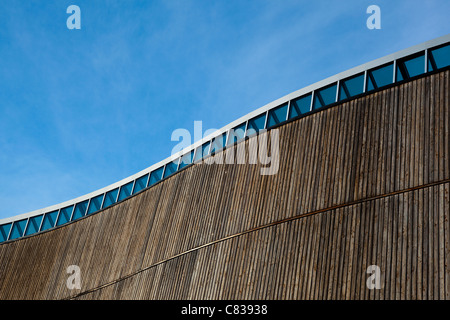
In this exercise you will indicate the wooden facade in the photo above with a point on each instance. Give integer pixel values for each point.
(365, 182)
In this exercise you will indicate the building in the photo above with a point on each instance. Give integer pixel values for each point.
(358, 207)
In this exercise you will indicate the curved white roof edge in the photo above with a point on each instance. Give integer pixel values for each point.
(320, 84)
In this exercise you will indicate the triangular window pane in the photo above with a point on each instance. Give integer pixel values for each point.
(95, 204)
(155, 176)
(441, 57)
(33, 225)
(80, 210)
(370, 85)
(18, 229)
(383, 76)
(125, 191)
(110, 198)
(171, 168)
(415, 66)
(277, 115)
(430, 66)
(140, 184)
(202, 151)
(351, 87)
(325, 96)
(398, 74)
(186, 159)
(300, 106)
(49, 220)
(256, 124)
(4, 231)
(64, 215)
(343, 93)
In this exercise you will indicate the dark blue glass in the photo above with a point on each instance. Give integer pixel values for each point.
(325, 96)
(380, 77)
(256, 124)
(80, 210)
(206, 149)
(410, 67)
(110, 198)
(140, 184)
(351, 87)
(202, 151)
(236, 134)
(155, 176)
(95, 204)
(33, 225)
(64, 215)
(4, 231)
(186, 159)
(218, 143)
(49, 220)
(415, 66)
(18, 229)
(439, 58)
(171, 168)
(277, 115)
(125, 191)
(300, 106)
(430, 66)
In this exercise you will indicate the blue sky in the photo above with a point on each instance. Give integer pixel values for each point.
(81, 109)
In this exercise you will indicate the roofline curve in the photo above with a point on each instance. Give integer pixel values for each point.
(363, 68)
